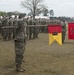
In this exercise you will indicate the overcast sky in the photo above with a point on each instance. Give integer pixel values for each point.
(60, 7)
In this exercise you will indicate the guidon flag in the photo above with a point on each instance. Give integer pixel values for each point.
(71, 31)
(55, 34)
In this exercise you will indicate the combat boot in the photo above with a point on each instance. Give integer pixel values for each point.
(19, 68)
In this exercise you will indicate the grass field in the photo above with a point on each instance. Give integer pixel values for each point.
(40, 58)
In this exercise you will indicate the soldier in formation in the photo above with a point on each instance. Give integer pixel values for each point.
(63, 23)
(10, 30)
(0, 25)
(19, 41)
(5, 31)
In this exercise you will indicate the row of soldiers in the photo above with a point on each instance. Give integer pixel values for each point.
(31, 32)
(6, 33)
(9, 21)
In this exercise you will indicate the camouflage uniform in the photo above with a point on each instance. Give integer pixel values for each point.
(15, 24)
(5, 22)
(0, 25)
(10, 30)
(37, 28)
(30, 28)
(63, 30)
(34, 29)
(19, 41)
(27, 28)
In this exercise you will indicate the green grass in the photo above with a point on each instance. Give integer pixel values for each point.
(41, 58)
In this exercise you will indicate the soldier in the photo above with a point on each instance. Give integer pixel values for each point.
(37, 28)
(0, 25)
(27, 28)
(5, 22)
(63, 30)
(30, 28)
(10, 30)
(19, 40)
(15, 24)
(34, 29)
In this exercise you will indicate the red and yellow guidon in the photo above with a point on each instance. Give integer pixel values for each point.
(55, 33)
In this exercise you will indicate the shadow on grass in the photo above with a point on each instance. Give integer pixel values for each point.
(69, 42)
(12, 72)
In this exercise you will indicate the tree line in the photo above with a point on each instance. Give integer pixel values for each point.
(3, 13)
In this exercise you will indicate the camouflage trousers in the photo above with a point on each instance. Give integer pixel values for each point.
(19, 52)
(5, 33)
(63, 36)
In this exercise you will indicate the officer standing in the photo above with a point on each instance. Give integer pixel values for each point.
(19, 40)
(63, 30)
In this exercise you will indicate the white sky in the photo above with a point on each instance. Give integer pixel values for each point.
(60, 7)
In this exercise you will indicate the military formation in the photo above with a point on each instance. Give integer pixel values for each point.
(31, 32)
(17, 29)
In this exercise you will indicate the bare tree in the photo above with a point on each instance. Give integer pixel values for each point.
(35, 6)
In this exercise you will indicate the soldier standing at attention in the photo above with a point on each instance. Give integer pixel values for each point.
(10, 31)
(63, 30)
(19, 42)
(0, 25)
(5, 22)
